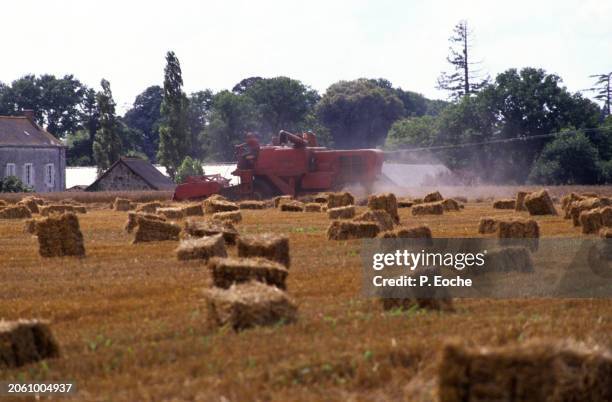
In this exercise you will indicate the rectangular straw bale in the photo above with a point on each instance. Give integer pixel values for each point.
(201, 248)
(122, 204)
(312, 207)
(566, 202)
(404, 203)
(540, 203)
(343, 199)
(606, 216)
(60, 236)
(430, 208)
(378, 216)
(30, 226)
(605, 233)
(154, 230)
(450, 205)
(267, 245)
(252, 204)
(193, 210)
(16, 212)
(433, 197)
(292, 206)
(281, 199)
(519, 202)
(227, 271)
(249, 305)
(591, 221)
(487, 225)
(347, 212)
(518, 228)
(231, 216)
(26, 341)
(577, 207)
(320, 198)
(171, 213)
(532, 371)
(217, 205)
(385, 202)
(414, 232)
(346, 230)
(132, 221)
(149, 207)
(507, 203)
(29, 203)
(56, 209)
(507, 259)
(200, 228)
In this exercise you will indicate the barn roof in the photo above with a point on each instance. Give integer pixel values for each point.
(18, 131)
(143, 169)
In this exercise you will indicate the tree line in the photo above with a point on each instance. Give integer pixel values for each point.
(179, 131)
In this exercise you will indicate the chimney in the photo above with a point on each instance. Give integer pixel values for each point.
(29, 114)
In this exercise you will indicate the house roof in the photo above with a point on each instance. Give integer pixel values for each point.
(21, 131)
(143, 169)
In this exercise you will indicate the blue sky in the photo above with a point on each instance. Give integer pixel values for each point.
(318, 42)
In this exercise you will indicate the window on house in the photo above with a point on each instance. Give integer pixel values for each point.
(10, 170)
(28, 174)
(50, 174)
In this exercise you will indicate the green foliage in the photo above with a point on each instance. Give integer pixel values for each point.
(107, 142)
(359, 113)
(412, 132)
(231, 117)
(174, 140)
(189, 167)
(569, 159)
(144, 115)
(79, 152)
(12, 184)
(603, 91)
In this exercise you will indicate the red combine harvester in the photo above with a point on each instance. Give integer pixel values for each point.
(292, 165)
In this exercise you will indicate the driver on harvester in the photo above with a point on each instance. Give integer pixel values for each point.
(248, 152)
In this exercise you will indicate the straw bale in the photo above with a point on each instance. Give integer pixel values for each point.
(579, 206)
(30, 226)
(292, 206)
(56, 209)
(507, 203)
(29, 203)
(414, 232)
(60, 236)
(26, 341)
(518, 228)
(346, 212)
(507, 259)
(16, 212)
(566, 203)
(385, 202)
(230, 216)
(450, 205)
(252, 204)
(267, 245)
(154, 230)
(404, 203)
(312, 207)
(193, 210)
(122, 204)
(606, 216)
(433, 197)
(539, 203)
(605, 233)
(519, 202)
(281, 199)
(320, 198)
(379, 216)
(487, 225)
(227, 271)
(171, 213)
(343, 199)
(149, 207)
(416, 201)
(201, 248)
(590, 221)
(132, 221)
(346, 230)
(199, 228)
(430, 208)
(217, 205)
(248, 305)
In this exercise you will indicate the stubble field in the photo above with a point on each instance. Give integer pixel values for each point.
(131, 320)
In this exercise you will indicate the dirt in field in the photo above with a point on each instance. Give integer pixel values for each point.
(130, 319)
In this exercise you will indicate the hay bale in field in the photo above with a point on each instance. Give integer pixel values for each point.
(252, 204)
(605, 233)
(343, 199)
(507, 259)
(606, 216)
(154, 230)
(149, 207)
(56, 209)
(537, 370)
(384, 202)
(433, 197)
(247, 305)
(312, 207)
(26, 341)
(450, 205)
(292, 206)
(132, 221)
(171, 213)
(487, 225)
(577, 207)
(217, 205)
(216, 197)
(29, 203)
(347, 212)
(415, 232)
(379, 216)
(122, 204)
(281, 199)
(30, 226)
(60, 236)
(227, 271)
(590, 221)
(2, 203)
(267, 245)
(404, 203)
(201, 248)
(198, 228)
(430, 208)
(230, 216)
(566, 202)
(519, 202)
(539, 203)
(346, 230)
(416, 201)
(518, 228)
(16, 212)
(507, 203)
(320, 198)
(193, 210)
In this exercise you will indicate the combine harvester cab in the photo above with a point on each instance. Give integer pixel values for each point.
(291, 165)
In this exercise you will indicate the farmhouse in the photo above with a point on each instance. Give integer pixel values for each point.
(32, 154)
(132, 174)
